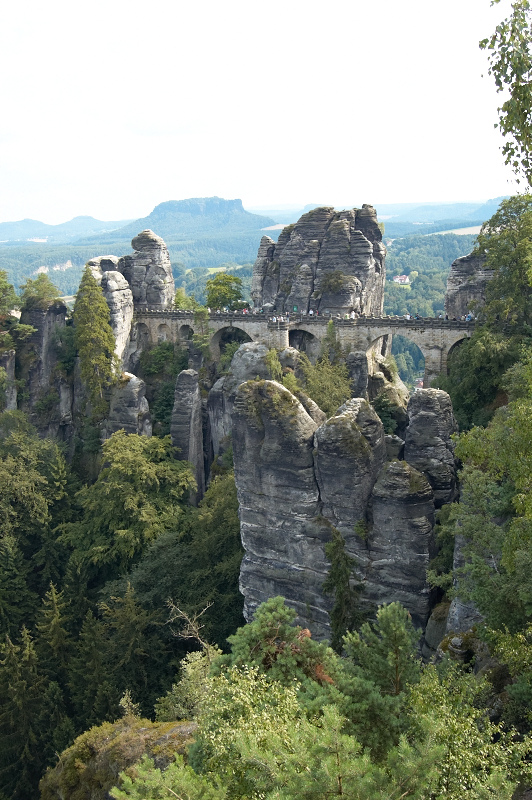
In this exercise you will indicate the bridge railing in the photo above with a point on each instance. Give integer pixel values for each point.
(308, 319)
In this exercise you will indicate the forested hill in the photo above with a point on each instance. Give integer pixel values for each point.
(200, 232)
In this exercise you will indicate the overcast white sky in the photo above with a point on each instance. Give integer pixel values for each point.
(110, 107)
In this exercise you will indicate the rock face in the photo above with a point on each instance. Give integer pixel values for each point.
(186, 427)
(428, 444)
(7, 362)
(49, 399)
(120, 301)
(248, 362)
(129, 408)
(149, 272)
(328, 260)
(273, 442)
(401, 540)
(466, 284)
(296, 479)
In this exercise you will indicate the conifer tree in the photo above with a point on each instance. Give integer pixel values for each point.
(21, 688)
(17, 602)
(53, 643)
(95, 342)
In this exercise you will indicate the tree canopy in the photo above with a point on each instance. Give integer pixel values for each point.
(224, 291)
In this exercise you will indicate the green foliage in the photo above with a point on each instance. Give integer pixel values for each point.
(186, 697)
(198, 562)
(95, 343)
(89, 767)
(224, 291)
(184, 302)
(8, 298)
(326, 383)
(384, 408)
(510, 64)
(38, 293)
(385, 651)
(178, 780)
(227, 355)
(138, 495)
(345, 614)
(64, 345)
(201, 339)
(332, 282)
(160, 366)
(274, 365)
(477, 759)
(430, 257)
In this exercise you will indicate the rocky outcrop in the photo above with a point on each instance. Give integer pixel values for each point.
(350, 451)
(328, 261)
(129, 408)
(120, 301)
(49, 396)
(400, 540)
(428, 444)
(466, 285)
(8, 402)
(248, 362)
(297, 479)
(148, 272)
(186, 427)
(284, 539)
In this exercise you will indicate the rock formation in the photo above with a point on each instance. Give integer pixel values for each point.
(466, 285)
(187, 427)
(120, 301)
(296, 479)
(48, 395)
(428, 444)
(273, 442)
(7, 362)
(129, 408)
(149, 272)
(328, 261)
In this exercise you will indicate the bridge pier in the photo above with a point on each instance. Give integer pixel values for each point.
(278, 338)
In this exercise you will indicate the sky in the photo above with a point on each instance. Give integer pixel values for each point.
(109, 108)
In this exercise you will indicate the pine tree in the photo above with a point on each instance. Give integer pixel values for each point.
(17, 602)
(53, 642)
(95, 342)
(21, 689)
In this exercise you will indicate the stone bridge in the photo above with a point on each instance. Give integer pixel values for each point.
(434, 337)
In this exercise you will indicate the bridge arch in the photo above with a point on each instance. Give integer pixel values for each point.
(186, 332)
(164, 333)
(305, 341)
(228, 335)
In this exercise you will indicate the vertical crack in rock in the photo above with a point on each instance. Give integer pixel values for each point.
(187, 427)
(401, 541)
(280, 510)
(428, 444)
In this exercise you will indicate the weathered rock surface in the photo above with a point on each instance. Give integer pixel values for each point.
(120, 301)
(7, 362)
(149, 272)
(273, 441)
(466, 284)
(350, 452)
(357, 364)
(186, 427)
(463, 614)
(328, 260)
(129, 408)
(296, 479)
(401, 540)
(248, 362)
(428, 444)
(49, 396)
